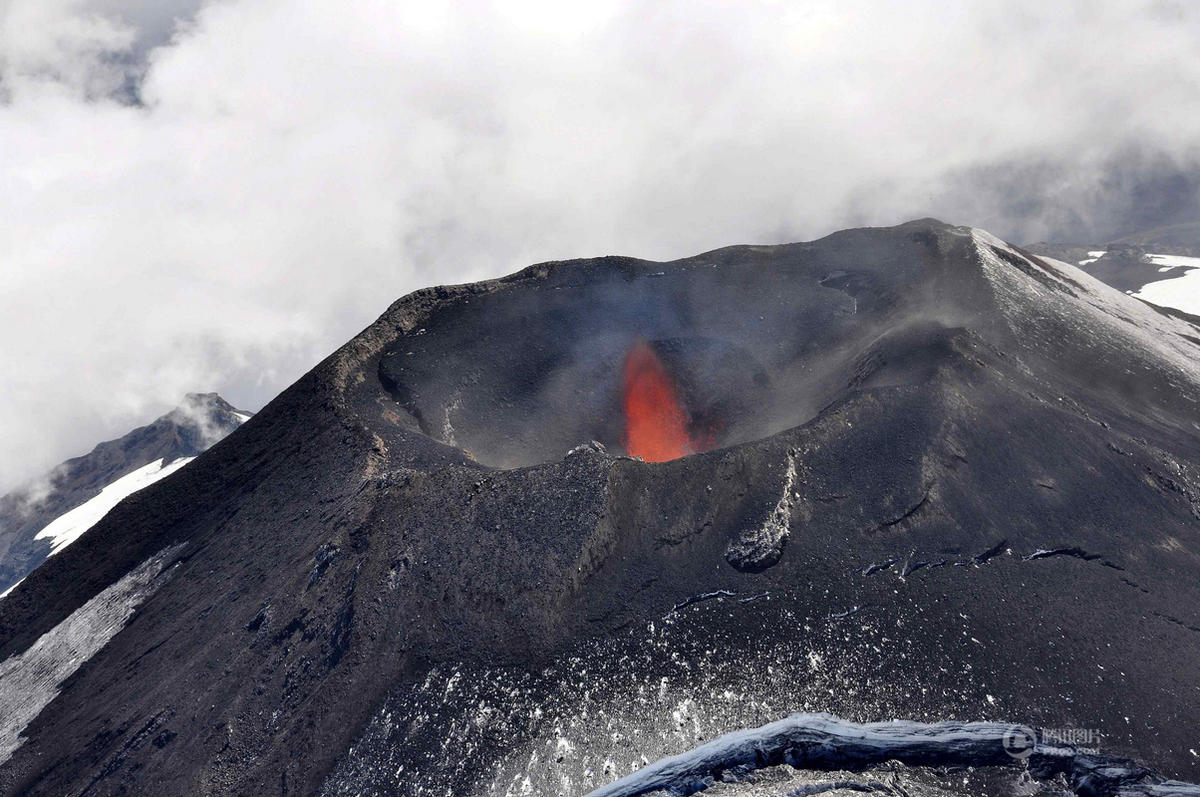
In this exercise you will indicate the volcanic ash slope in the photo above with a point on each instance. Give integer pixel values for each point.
(942, 480)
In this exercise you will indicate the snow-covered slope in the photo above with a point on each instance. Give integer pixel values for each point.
(1165, 280)
(39, 522)
(67, 528)
(1105, 321)
(31, 680)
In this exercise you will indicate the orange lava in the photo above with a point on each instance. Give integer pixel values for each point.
(656, 420)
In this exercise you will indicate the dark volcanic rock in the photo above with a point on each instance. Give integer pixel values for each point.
(394, 582)
(187, 431)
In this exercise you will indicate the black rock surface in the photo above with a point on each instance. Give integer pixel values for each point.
(950, 481)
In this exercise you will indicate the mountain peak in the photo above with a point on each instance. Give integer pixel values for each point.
(204, 419)
(206, 399)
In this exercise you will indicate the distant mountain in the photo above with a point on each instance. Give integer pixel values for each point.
(1175, 239)
(1160, 266)
(39, 521)
(912, 473)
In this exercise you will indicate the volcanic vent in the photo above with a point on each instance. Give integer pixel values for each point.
(658, 426)
(653, 360)
(516, 385)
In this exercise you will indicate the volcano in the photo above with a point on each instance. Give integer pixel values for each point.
(928, 518)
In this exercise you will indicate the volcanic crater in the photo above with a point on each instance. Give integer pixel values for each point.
(748, 347)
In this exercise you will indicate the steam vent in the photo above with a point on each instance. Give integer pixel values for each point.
(899, 511)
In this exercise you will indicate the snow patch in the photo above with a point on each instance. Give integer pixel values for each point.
(70, 526)
(1182, 293)
(1174, 261)
(1179, 293)
(30, 680)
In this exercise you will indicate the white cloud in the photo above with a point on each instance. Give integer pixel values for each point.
(294, 166)
(63, 42)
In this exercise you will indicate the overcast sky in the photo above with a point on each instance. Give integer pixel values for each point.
(214, 195)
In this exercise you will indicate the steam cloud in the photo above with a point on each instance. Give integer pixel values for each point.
(213, 196)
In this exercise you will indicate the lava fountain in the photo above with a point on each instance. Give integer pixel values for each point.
(656, 419)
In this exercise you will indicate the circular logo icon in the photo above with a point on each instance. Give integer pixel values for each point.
(1019, 741)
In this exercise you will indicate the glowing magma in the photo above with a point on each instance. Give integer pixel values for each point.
(656, 420)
